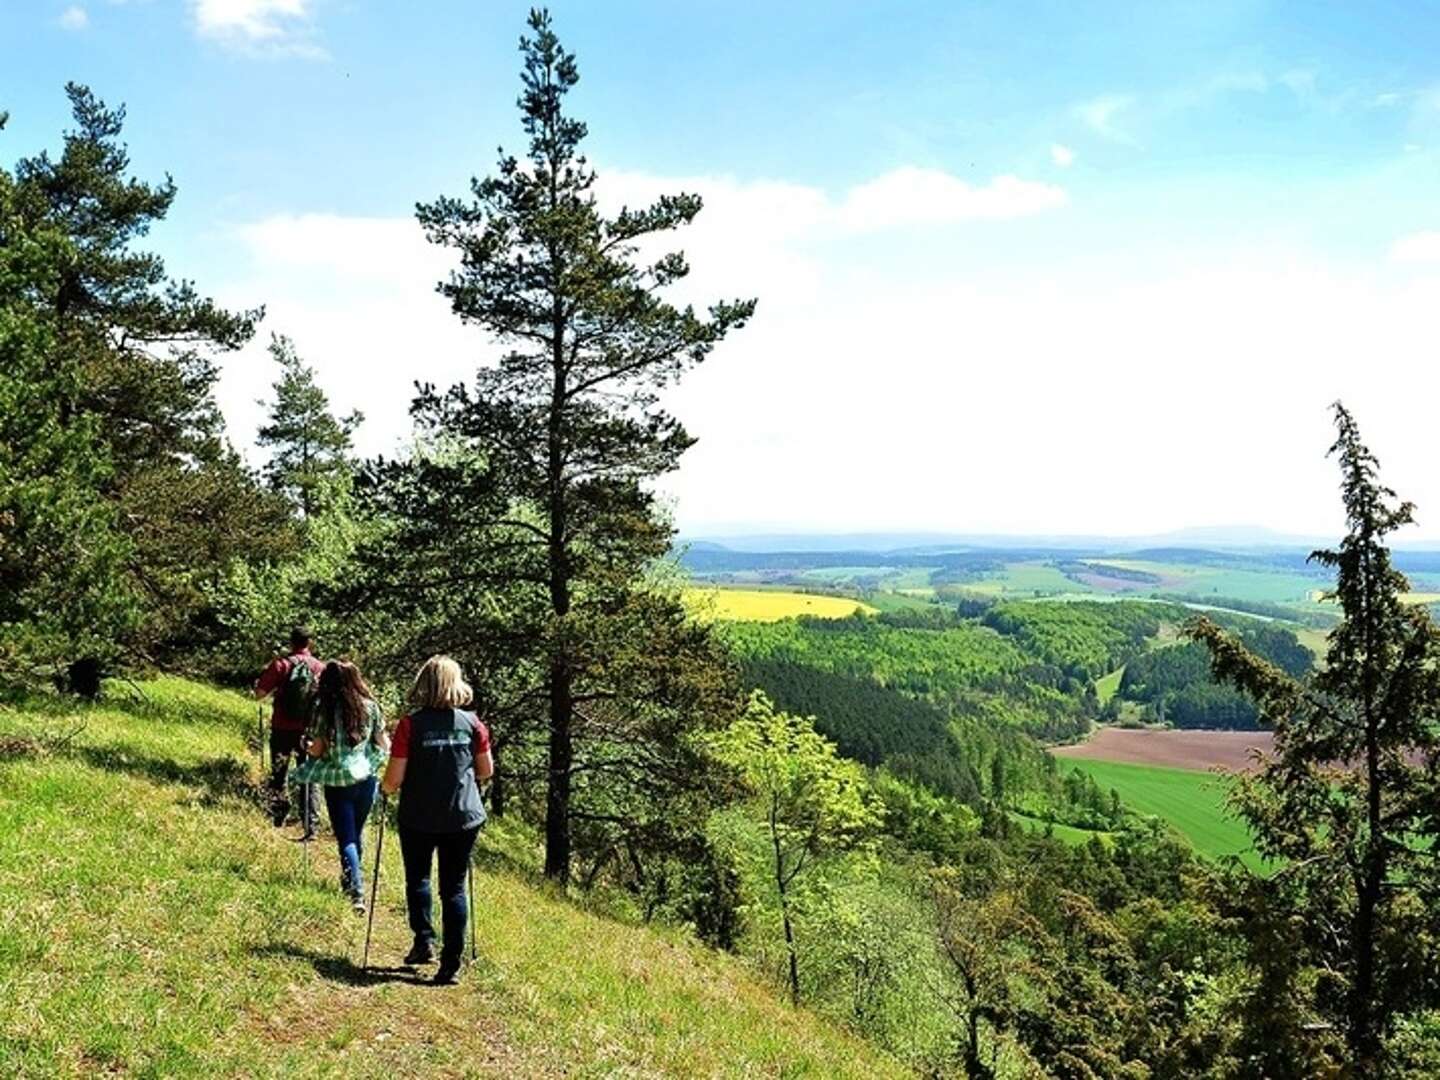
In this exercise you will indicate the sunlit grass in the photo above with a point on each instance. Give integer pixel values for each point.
(153, 923)
(1191, 800)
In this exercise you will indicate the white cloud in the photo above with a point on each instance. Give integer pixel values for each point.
(276, 27)
(1062, 156)
(358, 297)
(911, 196)
(1099, 116)
(74, 18)
(358, 294)
(1421, 247)
(889, 384)
(359, 248)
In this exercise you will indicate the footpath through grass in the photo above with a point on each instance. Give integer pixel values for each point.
(152, 923)
(1192, 801)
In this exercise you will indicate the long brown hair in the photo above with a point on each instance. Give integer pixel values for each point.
(343, 691)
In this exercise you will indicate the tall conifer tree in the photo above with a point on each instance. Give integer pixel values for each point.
(133, 351)
(61, 556)
(537, 480)
(1348, 803)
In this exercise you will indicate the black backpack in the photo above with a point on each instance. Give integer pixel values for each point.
(298, 692)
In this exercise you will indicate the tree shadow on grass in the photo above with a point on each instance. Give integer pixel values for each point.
(341, 969)
(220, 777)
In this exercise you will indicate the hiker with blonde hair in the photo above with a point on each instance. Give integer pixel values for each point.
(439, 757)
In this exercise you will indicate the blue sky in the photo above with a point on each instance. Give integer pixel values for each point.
(1022, 267)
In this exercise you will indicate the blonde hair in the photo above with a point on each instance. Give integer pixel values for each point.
(440, 684)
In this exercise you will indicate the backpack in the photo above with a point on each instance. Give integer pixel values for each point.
(299, 690)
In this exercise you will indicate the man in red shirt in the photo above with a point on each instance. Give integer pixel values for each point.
(289, 717)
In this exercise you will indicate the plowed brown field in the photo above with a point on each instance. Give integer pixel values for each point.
(1177, 749)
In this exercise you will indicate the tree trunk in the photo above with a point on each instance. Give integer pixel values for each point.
(497, 787)
(790, 945)
(557, 793)
(785, 907)
(561, 678)
(974, 1067)
(1364, 1029)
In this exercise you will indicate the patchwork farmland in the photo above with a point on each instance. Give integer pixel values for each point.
(1200, 750)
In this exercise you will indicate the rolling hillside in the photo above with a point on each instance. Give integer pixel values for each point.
(152, 923)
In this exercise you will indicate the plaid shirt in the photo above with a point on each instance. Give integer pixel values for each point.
(342, 764)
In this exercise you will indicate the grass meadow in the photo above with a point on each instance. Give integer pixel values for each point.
(1190, 800)
(1107, 686)
(1024, 579)
(153, 923)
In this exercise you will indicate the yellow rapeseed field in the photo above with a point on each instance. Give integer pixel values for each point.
(765, 605)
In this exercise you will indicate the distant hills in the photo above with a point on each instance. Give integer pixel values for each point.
(1214, 537)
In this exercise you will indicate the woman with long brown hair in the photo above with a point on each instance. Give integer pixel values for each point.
(347, 745)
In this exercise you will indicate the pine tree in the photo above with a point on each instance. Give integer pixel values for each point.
(567, 423)
(143, 339)
(310, 447)
(131, 352)
(1348, 800)
(61, 555)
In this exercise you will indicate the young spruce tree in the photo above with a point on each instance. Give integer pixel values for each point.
(310, 447)
(567, 434)
(1348, 803)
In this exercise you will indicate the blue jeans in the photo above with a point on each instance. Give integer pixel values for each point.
(453, 849)
(349, 807)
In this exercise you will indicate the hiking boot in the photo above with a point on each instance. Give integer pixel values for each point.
(278, 813)
(448, 973)
(357, 901)
(420, 953)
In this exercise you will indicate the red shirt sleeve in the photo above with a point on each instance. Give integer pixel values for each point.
(400, 740)
(273, 675)
(480, 743)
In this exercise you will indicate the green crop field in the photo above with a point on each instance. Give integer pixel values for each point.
(1192, 801)
(1025, 579)
(1276, 586)
(764, 605)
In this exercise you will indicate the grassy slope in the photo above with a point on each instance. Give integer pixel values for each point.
(1107, 686)
(1192, 801)
(151, 922)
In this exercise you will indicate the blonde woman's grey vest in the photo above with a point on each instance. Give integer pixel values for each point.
(439, 794)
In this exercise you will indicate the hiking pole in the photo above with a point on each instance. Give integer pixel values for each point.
(305, 826)
(375, 881)
(470, 896)
(260, 732)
